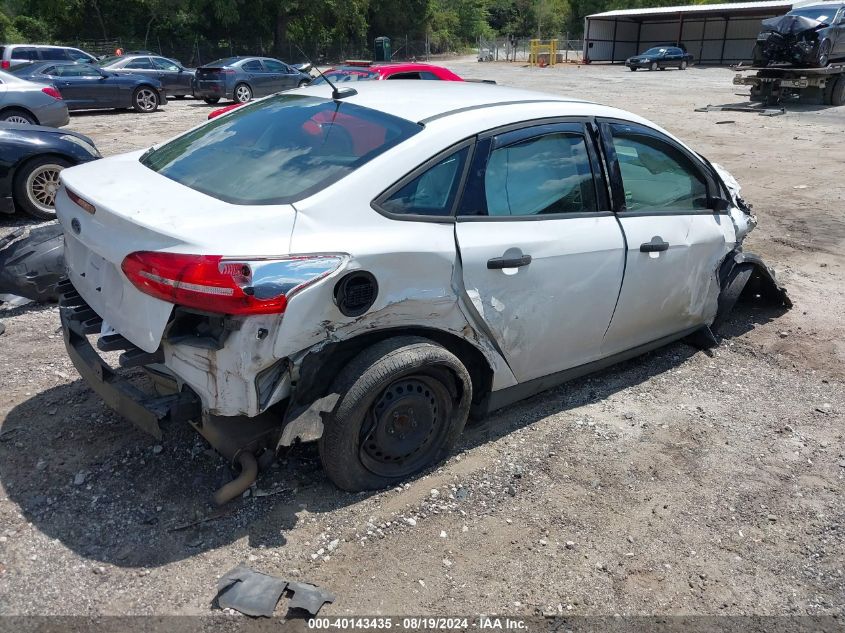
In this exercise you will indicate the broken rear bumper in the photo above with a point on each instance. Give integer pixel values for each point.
(144, 410)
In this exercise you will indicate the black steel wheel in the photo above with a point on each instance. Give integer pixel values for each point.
(403, 404)
(405, 426)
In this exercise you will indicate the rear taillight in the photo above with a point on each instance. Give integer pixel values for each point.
(49, 90)
(226, 285)
(5, 64)
(80, 202)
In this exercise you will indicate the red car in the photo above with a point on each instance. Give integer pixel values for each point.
(369, 71)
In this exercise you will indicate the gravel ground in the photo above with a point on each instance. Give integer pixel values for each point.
(677, 483)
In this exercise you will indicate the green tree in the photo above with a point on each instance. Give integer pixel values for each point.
(31, 29)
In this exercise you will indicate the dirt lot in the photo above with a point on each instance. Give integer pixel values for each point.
(678, 483)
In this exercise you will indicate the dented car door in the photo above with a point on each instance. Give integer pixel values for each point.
(675, 242)
(542, 254)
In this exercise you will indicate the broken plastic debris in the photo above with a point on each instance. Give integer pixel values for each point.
(256, 594)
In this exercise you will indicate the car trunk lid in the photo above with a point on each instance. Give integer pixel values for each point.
(137, 209)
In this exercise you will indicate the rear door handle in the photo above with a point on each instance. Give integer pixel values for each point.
(656, 245)
(497, 263)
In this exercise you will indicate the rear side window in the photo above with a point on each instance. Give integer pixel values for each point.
(431, 193)
(142, 63)
(56, 54)
(542, 175)
(278, 150)
(24, 52)
(253, 66)
(657, 176)
(411, 75)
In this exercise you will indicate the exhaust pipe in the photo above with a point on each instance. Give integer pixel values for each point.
(249, 472)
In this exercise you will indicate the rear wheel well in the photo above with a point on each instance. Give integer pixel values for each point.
(318, 369)
(20, 109)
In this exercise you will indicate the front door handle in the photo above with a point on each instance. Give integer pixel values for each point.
(656, 245)
(497, 263)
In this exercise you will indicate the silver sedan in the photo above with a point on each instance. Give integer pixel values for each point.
(31, 103)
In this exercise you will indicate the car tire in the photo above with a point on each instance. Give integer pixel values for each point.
(145, 99)
(178, 97)
(683, 65)
(653, 66)
(211, 100)
(242, 93)
(757, 55)
(403, 405)
(14, 115)
(834, 92)
(302, 83)
(633, 69)
(823, 56)
(36, 184)
(32, 262)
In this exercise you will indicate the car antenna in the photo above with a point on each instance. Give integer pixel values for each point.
(337, 94)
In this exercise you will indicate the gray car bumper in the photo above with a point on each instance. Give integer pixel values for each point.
(52, 114)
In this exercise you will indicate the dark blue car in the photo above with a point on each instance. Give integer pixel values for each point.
(31, 158)
(86, 87)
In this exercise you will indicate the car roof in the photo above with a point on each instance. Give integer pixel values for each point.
(419, 101)
(819, 5)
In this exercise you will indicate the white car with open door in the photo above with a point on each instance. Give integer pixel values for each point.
(367, 268)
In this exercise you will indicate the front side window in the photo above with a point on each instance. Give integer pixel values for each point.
(165, 64)
(657, 176)
(433, 192)
(274, 66)
(278, 150)
(78, 56)
(75, 70)
(542, 175)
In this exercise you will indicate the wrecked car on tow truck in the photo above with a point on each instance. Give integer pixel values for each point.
(371, 266)
(810, 36)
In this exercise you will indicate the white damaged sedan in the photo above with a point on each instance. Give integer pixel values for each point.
(367, 268)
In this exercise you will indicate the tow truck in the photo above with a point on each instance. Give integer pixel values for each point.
(770, 84)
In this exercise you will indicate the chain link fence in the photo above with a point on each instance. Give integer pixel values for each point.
(516, 49)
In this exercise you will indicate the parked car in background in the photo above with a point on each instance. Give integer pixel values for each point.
(367, 71)
(242, 78)
(27, 102)
(177, 80)
(660, 58)
(13, 53)
(87, 87)
(366, 269)
(31, 157)
(810, 35)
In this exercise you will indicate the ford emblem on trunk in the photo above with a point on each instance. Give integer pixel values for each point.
(76, 226)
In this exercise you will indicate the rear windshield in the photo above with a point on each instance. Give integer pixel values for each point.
(278, 150)
(226, 61)
(346, 74)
